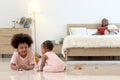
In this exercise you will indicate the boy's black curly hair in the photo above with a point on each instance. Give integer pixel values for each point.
(21, 38)
(48, 44)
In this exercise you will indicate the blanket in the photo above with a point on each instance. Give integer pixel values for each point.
(96, 41)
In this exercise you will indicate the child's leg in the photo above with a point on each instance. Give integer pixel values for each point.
(53, 69)
(49, 69)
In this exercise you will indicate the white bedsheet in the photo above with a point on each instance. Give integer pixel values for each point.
(91, 41)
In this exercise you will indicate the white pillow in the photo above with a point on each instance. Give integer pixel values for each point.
(112, 27)
(91, 31)
(78, 31)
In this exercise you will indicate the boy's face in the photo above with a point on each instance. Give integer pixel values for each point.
(22, 49)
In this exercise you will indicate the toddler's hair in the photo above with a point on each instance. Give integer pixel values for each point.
(48, 44)
(21, 38)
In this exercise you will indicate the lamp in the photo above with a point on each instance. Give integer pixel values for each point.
(34, 24)
(34, 9)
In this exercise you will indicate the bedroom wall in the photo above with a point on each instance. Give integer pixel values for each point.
(11, 10)
(55, 14)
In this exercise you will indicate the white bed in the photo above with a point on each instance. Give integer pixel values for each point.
(82, 45)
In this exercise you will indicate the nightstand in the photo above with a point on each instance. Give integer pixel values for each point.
(57, 48)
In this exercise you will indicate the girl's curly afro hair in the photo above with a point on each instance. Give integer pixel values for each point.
(21, 38)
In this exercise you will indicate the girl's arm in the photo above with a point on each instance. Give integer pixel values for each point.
(28, 67)
(31, 61)
(44, 58)
(15, 67)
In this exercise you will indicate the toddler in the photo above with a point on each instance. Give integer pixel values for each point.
(50, 61)
(22, 58)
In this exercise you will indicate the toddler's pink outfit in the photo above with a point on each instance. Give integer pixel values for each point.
(53, 63)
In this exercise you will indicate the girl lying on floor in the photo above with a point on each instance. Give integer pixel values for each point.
(22, 58)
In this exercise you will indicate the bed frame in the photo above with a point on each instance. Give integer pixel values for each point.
(90, 51)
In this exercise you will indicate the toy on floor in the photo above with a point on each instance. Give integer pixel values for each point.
(37, 56)
(78, 66)
(96, 67)
(20, 69)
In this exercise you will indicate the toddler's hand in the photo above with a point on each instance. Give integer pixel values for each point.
(39, 70)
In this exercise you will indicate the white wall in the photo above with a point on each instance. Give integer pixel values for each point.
(12, 10)
(55, 14)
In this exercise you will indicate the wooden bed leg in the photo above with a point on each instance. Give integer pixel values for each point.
(66, 58)
(66, 61)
